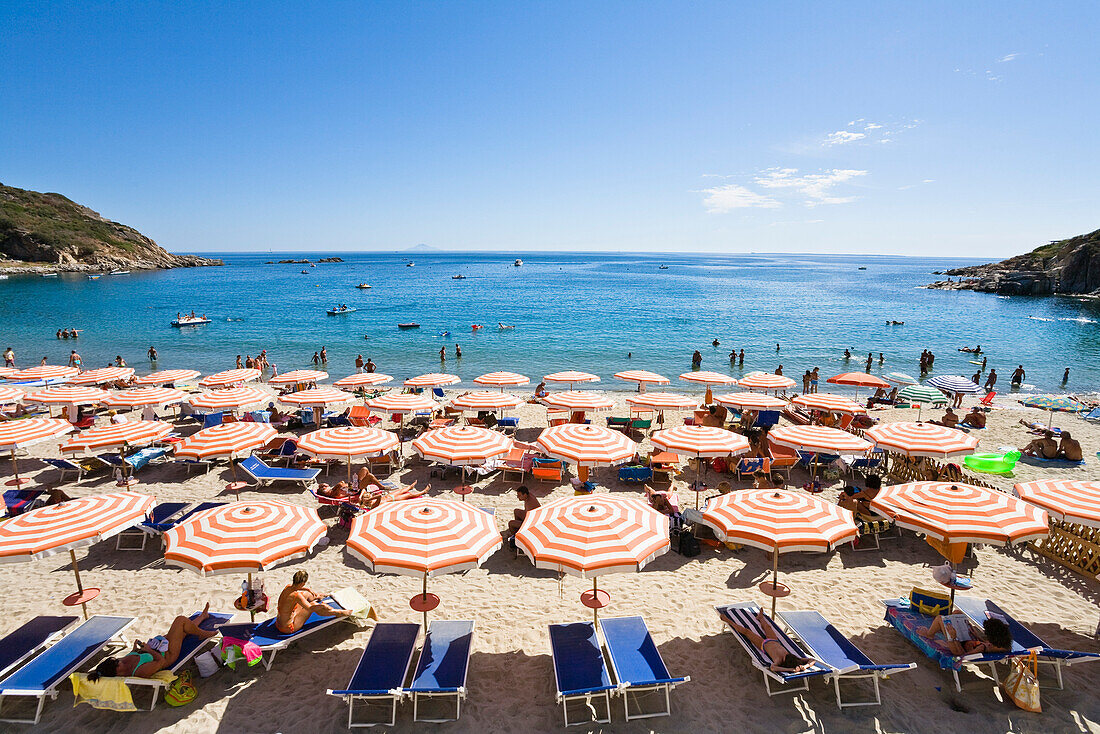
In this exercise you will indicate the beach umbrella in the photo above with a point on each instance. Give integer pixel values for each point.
(348, 442)
(953, 384)
(1054, 403)
(900, 378)
(433, 379)
(642, 377)
(102, 376)
(230, 377)
(10, 395)
(117, 436)
(819, 440)
(502, 379)
(591, 536)
(143, 396)
(462, 446)
(318, 397)
(751, 401)
(661, 401)
(577, 400)
(423, 537)
(570, 376)
(823, 401)
(1066, 500)
(586, 446)
(920, 394)
(708, 378)
(167, 377)
(858, 380)
(70, 525)
(780, 522)
(225, 440)
(298, 376)
(67, 395)
(6, 372)
(363, 379)
(26, 432)
(400, 404)
(766, 382)
(486, 400)
(701, 442)
(44, 372)
(921, 439)
(232, 398)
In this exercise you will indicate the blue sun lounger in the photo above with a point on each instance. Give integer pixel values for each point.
(18, 501)
(41, 676)
(380, 674)
(579, 671)
(831, 647)
(1023, 639)
(190, 647)
(636, 664)
(19, 645)
(744, 614)
(264, 474)
(444, 662)
(158, 516)
(270, 640)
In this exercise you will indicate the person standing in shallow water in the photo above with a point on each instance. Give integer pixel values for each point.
(696, 359)
(443, 354)
(741, 359)
(1065, 376)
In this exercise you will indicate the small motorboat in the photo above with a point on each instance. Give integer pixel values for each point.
(444, 333)
(410, 325)
(120, 272)
(3, 277)
(95, 277)
(190, 321)
(458, 277)
(663, 267)
(517, 263)
(861, 268)
(363, 286)
(505, 326)
(305, 272)
(48, 275)
(341, 310)
(410, 265)
(475, 327)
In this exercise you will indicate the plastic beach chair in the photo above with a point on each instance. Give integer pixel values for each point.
(24, 642)
(155, 526)
(441, 670)
(636, 665)
(380, 674)
(39, 678)
(159, 515)
(18, 501)
(264, 474)
(189, 648)
(580, 673)
(831, 647)
(744, 614)
(270, 640)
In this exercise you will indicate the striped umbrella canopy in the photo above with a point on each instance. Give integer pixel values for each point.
(780, 522)
(102, 376)
(142, 396)
(70, 525)
(900, 378)
(828, 403)
(578, 400)
(819, 440)
(296, 376)
(857, 379)
(67, 395)
(400, 404)
(318, 397)
(1072, 501)
(502, 379)
(586, 445)
(642, 377)
(27, 432)
(226, 439)
(462, 445)
(117, 436)
(570, 376)
(243, 537)
(433, 379)
(708, 378)
(44, 372)
(953, 383)
(232, 398)
(750, 401)
(921, 439)
(363, 379)
(6, 372)
(661, 401)
(10, 394)
(347, 443)
(230, 377)
(166, 377)
(765, 381)
(486, 400)
(705, 442)
(920, 394)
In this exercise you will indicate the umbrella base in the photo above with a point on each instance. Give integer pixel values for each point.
(21, 481)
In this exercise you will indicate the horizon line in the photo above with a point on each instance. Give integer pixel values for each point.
(509, 253)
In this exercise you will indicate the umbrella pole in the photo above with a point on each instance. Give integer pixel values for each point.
(595, 608)
(775, 578)
(79, 586)
(251, 610)
(15, 468)
(424, 596)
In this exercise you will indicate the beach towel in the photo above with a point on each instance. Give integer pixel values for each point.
(234, 650)
(108, 693)
(362, 612)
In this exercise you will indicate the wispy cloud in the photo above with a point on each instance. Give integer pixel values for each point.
(840, 137)
(863, 132)
(1007, 57)
(724, 199)
(812, 188)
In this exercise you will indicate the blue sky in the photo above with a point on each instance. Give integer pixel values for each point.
(916, 128)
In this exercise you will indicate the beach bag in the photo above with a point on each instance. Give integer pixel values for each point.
(1022, 684)
(182, 691)
(684, 543)
(929, 603)
(208, 663)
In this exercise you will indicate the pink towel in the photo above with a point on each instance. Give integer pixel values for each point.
(234, 649)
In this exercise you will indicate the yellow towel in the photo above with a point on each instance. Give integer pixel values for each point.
(362, 610)
(109, 693)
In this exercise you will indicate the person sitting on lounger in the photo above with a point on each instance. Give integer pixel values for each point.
(1069, 448)
(340, 490)
(975, 418)
(949, 420)
(781, 660)
(762, 480)
(364, 479)
(1044, 447)
(963, 638)
(296, 603)
(369, 501)
(529, 501)
(145, 660)
(859, 500)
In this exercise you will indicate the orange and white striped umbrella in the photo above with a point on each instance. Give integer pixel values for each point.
(318, 397)
(571, 376)
(29, 431)
(44, 372)
(578, 400)
(67, 395)
(751, 401)
(593, 535)
(708, 378)
(828, 403)
(142, 396)
(10, 395)
(347, 442)
(232, 398)
(921, 439)
(423, 537)
(819, 440)
(773, 519)
(226, 439)
(765, 381)
(243, 537)
(661, 401)
(705, 442)
(167, 377)
(486, 400)
(296, 376)
(70, 525)
(858, 379)
(462, 445)
(363, 379)
(117, 435)
(102, 376)
(586, 445)
(400, 404)
(230, 377)
(6, 372)
(643, 377)
(502, 379)
(1067, 500)
(433, 379)
(961, 513)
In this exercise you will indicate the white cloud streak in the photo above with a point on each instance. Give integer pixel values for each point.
(812, 188)
(724, 199)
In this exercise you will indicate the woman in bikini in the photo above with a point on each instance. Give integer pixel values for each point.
(771, 647)
(145, 661)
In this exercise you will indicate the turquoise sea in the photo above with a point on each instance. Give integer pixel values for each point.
(570, 311)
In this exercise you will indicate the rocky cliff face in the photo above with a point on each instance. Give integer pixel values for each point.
(49, 232)
(1066, 266)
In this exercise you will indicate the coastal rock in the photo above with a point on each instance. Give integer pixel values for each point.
(1070, 267)
(45, 232)
(331, 260)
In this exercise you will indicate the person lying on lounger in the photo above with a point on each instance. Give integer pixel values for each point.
(369, 501)
(963, 638)
(296, 603)
(146, 660)
(859, 500)
(771, 647)
(339, 490)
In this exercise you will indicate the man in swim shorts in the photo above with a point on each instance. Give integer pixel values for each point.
(1045, 446)
(1069, 448)
(296, 603)
(1018, 375)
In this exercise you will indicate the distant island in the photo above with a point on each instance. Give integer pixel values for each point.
(1070, 267)
(45, 232)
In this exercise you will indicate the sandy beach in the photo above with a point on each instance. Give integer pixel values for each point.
(511, 678)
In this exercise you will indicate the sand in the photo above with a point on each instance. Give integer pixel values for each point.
(511, 684)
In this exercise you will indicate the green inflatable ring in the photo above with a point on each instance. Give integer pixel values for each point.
(992, 463)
